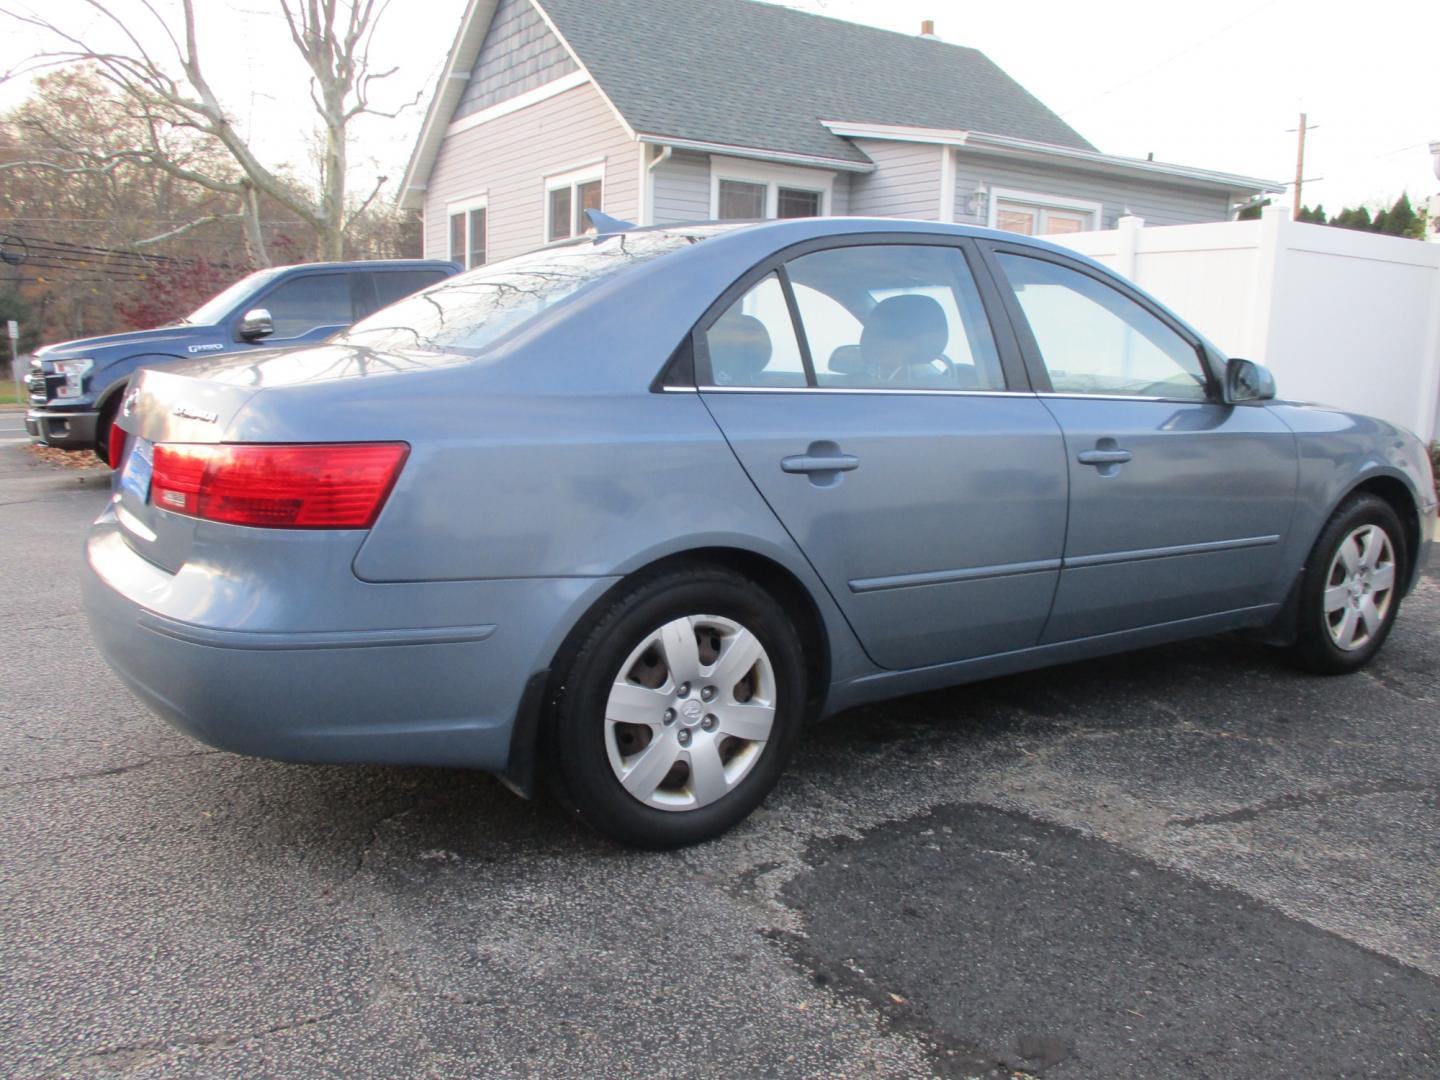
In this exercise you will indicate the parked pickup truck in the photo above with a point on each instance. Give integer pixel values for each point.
(76, 386)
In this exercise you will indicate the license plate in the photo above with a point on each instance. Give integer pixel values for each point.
(139, 465)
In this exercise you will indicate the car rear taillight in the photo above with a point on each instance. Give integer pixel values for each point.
(115, 450)
(277, 486)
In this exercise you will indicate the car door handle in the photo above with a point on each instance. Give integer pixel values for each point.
(1103, 457)
(817, 463)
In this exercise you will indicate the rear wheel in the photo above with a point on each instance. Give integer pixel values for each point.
(1351, 590)
(678, 709)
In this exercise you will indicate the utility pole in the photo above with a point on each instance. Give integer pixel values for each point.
(1300, 166)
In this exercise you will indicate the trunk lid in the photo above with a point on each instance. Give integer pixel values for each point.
(176, 407)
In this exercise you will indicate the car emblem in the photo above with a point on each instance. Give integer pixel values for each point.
(196, 414)
(691, 711)
(127, 407)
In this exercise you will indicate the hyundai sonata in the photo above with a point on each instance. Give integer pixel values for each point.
(628, 511)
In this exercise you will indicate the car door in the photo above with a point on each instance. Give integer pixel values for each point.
(306, 308)
(863, 390)
(1179, 503)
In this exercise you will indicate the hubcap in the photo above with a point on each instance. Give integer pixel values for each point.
(1359, 587)
(690, 712)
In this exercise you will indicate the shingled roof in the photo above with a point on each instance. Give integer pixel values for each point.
(746, 74)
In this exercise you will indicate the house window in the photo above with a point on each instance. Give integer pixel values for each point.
(467, 234)
(744, 190)
(567, 197)
(796, 202)
(741, 200)
(1041, 215)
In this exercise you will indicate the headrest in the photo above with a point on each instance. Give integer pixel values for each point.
(739, 348)
(908, 329)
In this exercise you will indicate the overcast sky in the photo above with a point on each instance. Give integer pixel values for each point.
(1215, 87)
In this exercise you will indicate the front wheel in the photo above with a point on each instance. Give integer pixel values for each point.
(1351, 590)
(679, 708)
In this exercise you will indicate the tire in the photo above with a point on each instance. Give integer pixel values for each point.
(690, 758)
(1350, 594)
(103, 425)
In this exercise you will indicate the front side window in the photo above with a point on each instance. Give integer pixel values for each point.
(1094, 339)
(741, 200)
(754, 342)
(566, 206)
(895, 316)
(307, 303)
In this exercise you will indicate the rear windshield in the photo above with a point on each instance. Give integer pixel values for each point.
(467, 313)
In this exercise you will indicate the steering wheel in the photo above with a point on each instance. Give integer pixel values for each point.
(950, 372)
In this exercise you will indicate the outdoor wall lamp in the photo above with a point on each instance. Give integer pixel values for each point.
(980, 202)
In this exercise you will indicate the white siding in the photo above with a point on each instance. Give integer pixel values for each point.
(1158, 203)
(905, 183)
(508, 158)
(682, 188)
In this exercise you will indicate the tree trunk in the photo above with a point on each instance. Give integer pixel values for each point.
(254, 239)
(331, 235)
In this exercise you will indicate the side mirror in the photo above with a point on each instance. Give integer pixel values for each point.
(1246, 380)
(256, 324)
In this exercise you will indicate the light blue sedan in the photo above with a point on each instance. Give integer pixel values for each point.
(627, 512)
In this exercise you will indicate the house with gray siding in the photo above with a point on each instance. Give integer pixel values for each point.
(665, 111)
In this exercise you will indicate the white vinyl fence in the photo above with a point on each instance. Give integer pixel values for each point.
(1342, 318)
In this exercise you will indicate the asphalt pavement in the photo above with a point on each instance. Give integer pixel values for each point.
(1188, 862)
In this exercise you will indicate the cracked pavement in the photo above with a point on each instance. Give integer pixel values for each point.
(1184, 862)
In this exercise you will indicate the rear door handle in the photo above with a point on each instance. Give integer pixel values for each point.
(814, 463)
(1103, 457)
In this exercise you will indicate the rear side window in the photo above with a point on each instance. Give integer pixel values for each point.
(392, 285)
(308, 302)
(895, 316)
(1096, 340)
(754, 343)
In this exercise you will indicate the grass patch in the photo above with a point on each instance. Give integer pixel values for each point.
(1435, 464)
(10, 394)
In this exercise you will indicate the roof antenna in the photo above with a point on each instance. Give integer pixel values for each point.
(605, 225)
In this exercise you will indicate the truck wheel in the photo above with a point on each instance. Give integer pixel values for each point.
(105, 423)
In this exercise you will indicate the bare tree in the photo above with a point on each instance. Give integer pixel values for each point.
(169, 89)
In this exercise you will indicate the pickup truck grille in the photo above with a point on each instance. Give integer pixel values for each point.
(36, 384)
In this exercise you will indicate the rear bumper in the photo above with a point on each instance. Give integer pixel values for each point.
(62, 428)
(422, 695)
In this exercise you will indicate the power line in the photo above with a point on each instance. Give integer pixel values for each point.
(1168, 60)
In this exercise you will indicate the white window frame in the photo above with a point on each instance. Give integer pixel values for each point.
(571, 178)
(477, 202)
(1045, 202)
(774, 176)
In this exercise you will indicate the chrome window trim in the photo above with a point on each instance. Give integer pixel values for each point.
(861, 390)
(1077, 396)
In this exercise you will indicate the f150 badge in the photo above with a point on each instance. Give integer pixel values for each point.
(196, 414)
